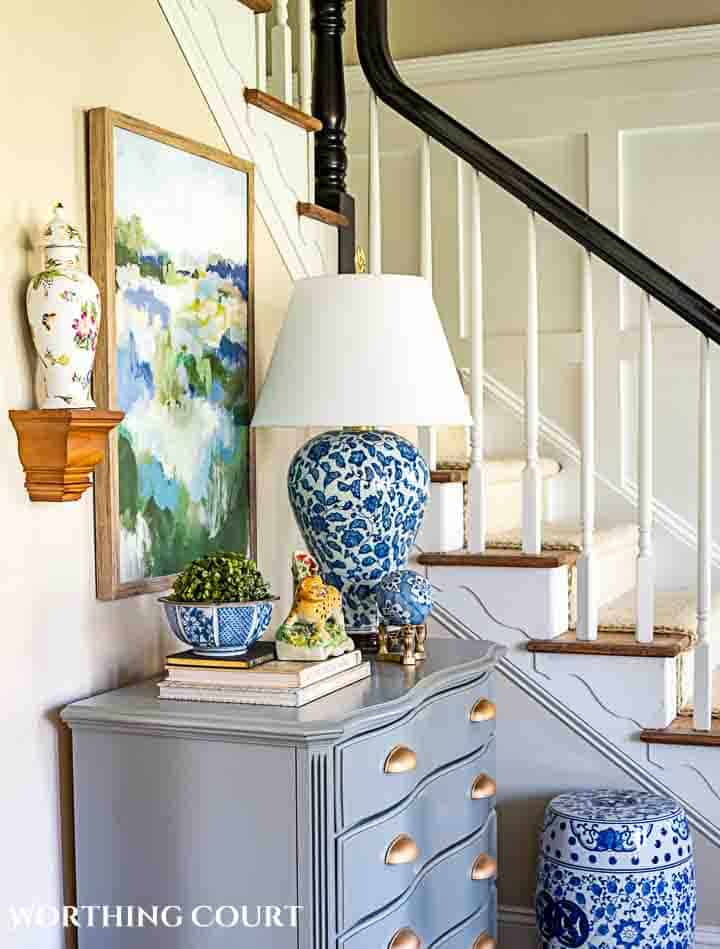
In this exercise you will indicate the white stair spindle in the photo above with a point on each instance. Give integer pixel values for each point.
(703, 650)
(427, 437)
(586, 604)
(305, 64)
(282, 70)
(261, 50)
(462, 283)
(477, 526)
(645, 591)
(375, 203)
(532, 480)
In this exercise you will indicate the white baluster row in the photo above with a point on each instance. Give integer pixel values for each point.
(477, 526)
(261, 50)
(532, 480)
(427, 437)
(282, 71)
(703, 650)
(305, 64)
(645, 589)
(586, 603)
(374, 196)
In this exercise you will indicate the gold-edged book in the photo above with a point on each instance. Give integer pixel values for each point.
(272, 676)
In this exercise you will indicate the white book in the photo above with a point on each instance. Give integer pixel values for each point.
(275, 675)
(289, 698)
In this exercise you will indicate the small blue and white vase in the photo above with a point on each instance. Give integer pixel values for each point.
(359, 498)
(218, 629)
(404, 598)
(615, 871)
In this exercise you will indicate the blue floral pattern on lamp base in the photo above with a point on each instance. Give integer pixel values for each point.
(218, 629)
(404, 598)
(615, 871)
(359, 500)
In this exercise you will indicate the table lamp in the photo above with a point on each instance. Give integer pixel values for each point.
(359, 354)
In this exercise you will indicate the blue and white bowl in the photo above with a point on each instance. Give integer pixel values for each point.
(404, 598)
(218, 629)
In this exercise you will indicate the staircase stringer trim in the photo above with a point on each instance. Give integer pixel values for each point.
(510, 669)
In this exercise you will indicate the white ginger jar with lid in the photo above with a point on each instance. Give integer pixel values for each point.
(63, 307)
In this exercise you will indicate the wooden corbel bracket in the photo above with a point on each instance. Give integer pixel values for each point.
(59, 448)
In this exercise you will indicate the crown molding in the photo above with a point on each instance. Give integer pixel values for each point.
(544, 57)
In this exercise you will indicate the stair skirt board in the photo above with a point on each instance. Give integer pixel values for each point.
(517, 930)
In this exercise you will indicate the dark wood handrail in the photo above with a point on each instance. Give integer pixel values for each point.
(380, 71)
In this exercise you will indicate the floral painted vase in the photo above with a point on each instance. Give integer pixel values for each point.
(404, 598)
(615, 871)
(63, 307)
(359, 498)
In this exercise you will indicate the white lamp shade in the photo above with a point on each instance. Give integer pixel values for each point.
(361, 350)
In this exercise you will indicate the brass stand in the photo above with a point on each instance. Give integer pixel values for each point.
(413, 645)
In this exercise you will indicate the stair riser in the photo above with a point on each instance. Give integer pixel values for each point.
(534, 601)
(641, 689)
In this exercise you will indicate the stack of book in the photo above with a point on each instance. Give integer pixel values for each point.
(258, 678)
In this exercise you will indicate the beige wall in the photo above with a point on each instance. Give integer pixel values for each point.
(59, 643)
(429, 28)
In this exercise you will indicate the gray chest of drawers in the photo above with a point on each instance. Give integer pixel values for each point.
(371, 809)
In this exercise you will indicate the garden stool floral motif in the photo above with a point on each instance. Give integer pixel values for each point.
(615, 870)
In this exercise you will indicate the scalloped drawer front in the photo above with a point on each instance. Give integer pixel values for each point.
(437, 815)
(380, 769)
(478, 933)
(443, 896)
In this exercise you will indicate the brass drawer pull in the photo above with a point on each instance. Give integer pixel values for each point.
(402, 850)
(484, 868)
(483, 786)
(405, 939)
(484, 941)
(483, 711)
(400, 760)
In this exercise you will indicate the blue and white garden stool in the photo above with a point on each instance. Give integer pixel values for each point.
(615, 871)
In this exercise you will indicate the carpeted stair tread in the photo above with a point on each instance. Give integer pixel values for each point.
(675, 612)
(504, 470)
(568, 537)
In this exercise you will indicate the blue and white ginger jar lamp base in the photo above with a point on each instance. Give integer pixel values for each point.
(359, 498)
(615, 871)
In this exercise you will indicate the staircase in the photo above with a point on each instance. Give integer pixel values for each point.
(628, 667)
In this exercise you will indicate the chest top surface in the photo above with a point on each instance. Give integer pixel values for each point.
(390, 692)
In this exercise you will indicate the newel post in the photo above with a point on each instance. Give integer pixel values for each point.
(329, 104)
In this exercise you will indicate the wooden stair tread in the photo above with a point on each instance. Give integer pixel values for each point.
(681, 732)
(614, 643)
(500, 558)
(263, 100)
(503, 470)
(324, 215)
(449, 476)
(258, 6)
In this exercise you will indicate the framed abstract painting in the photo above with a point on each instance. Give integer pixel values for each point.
(171, 248)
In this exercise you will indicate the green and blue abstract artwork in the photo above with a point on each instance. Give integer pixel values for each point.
(182, 354)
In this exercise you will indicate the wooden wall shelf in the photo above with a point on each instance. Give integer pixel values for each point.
(60, 447)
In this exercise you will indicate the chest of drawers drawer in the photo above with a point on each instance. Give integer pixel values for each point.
(457, 885)
(379, 861)
(477, 933)
(379, 770)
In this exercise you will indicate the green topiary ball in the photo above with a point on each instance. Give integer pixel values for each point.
(221, 578)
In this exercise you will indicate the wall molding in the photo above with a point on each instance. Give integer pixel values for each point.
(517, 930)
(626, 48)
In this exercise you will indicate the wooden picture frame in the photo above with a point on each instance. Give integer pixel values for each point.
(103, 124)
